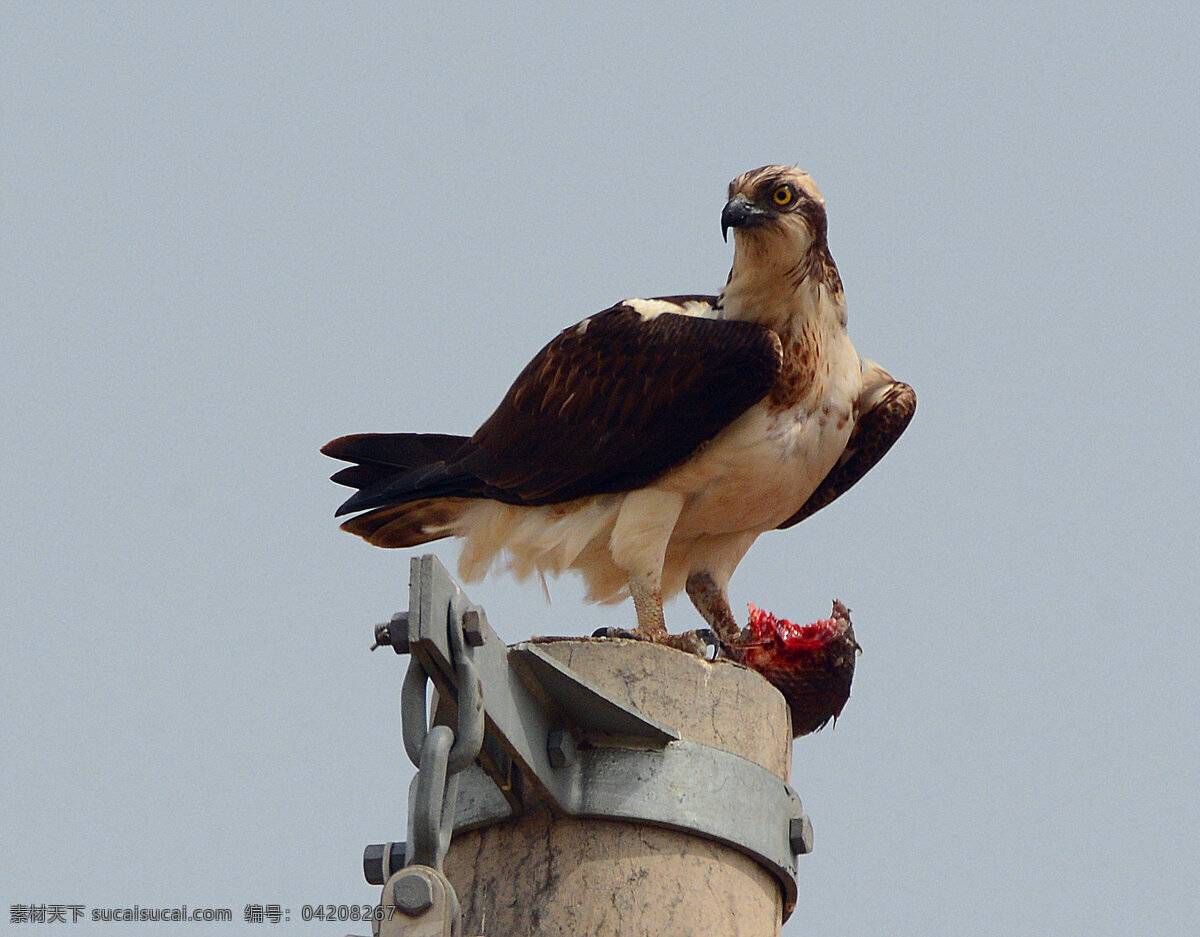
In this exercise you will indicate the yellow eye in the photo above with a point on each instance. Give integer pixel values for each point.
(783, 195)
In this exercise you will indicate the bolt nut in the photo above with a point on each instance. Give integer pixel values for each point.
(800, 835)
(380, 860)
(412, 894)
(473, 620)
(373, 863)
(560, 748)
(393, 634)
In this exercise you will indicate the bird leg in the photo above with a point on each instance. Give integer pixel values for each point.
(647, 603)
(651, 626)
(713, 605)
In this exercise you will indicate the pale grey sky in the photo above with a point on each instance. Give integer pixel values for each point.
(230, 232)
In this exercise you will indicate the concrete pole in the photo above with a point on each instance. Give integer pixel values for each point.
(542, 875)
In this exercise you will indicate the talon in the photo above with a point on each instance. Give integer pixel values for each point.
(713, 644)
(690, 642)
(618, 633)
(742, 639)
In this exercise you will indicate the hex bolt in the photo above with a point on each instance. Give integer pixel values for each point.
(473, 620)
(373, 863)
(560, 748)
(380, 860)
(412, 894)
(800, 835)
(393, 634)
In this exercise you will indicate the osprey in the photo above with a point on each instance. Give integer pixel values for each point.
(649, 445)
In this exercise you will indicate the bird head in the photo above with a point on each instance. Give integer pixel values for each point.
(781, 254)
(777, 208)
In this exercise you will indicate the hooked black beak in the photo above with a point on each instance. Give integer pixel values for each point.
(740, 212)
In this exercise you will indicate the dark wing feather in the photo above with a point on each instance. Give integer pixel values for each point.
(608, 405)
(611, 404)
(874, 433)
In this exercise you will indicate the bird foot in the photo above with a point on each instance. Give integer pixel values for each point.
(741, 638)
(702, 642)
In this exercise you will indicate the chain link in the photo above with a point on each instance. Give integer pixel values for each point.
(432, 821)
(439, 753)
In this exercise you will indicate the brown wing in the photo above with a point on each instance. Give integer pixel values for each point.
(608, 405)
(888, 409)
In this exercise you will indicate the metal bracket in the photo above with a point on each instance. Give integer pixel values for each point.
(552, 737)
(419, 901)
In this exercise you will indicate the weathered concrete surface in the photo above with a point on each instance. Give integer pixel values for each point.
(720, 704)
(547, 876)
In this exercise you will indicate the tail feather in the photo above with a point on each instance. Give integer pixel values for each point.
(394, 450)
(409, 524)
(362, 476)
(436, 480)
(398, 467)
